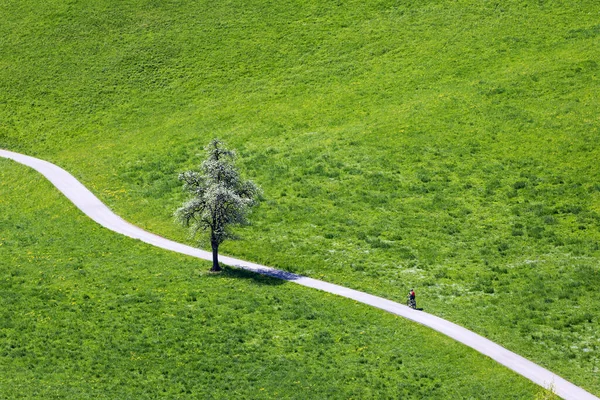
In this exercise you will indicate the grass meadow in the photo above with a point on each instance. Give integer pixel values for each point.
(87, 313)
(452, 147)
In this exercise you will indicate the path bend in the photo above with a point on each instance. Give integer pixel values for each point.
(99, 212)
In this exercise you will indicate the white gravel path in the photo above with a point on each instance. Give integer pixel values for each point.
(95, 209)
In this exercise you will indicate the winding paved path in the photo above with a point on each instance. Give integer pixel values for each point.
(100, 213)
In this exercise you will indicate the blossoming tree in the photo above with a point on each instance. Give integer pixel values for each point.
(219, 197)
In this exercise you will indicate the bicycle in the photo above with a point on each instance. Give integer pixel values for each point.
(411, 302)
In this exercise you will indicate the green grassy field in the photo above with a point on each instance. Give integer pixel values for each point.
(451, 147)
(86, 313)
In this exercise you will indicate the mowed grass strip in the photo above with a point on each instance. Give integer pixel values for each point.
(87, 313)
(448, 147)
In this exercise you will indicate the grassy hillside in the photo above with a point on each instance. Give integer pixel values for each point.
(86, 313)
(450, 147)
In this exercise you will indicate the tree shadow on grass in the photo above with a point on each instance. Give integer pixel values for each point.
(266, 277)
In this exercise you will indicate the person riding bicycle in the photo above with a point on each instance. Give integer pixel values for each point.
(412, 298)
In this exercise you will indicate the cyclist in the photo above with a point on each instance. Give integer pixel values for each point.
(412, 298)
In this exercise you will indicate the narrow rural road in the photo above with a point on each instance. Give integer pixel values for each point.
(95, 209)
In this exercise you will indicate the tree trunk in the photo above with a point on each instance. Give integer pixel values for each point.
(215, 251)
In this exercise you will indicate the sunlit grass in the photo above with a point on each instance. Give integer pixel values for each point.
(450, 147)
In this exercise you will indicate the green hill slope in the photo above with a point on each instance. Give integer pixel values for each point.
(450, 147)
(87, 313)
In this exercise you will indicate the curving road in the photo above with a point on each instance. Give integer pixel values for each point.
(95, 209)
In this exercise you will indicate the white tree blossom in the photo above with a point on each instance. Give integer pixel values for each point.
(220, 198)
